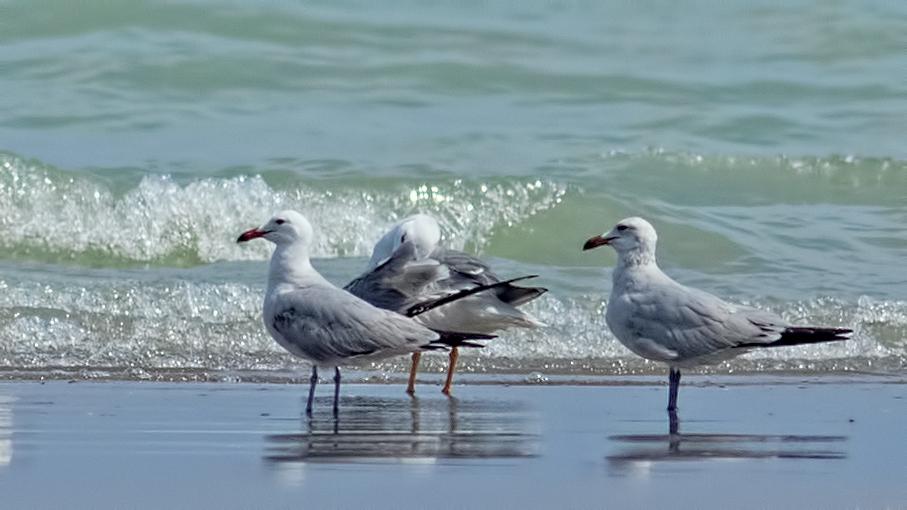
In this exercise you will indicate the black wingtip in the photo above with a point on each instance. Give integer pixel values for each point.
(806, 335)
(452, 339)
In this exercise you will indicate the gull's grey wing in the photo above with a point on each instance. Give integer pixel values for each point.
(399, 282)
(671, 322)
(441, 300)
(328, 325)
(467, 271)
(517, 296)
(462, 292)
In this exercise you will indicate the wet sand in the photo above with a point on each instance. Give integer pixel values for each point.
(757, 442)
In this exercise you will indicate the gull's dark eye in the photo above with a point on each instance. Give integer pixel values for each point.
(621, 228)
(403, 239)
(280, 222)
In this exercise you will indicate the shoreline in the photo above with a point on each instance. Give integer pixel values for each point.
(430, 378)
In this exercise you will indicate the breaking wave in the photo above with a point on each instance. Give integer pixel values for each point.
(56, 216)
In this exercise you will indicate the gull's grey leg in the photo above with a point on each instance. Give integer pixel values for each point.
(336, 390)
(312, 382)
(674, 384)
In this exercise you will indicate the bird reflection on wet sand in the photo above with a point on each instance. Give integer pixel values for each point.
(372, 428)
(677, 446)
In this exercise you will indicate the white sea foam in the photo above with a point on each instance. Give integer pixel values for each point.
(135, 323)
(56, 216)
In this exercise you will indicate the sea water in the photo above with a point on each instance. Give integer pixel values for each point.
(765, 140)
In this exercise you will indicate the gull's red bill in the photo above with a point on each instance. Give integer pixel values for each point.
(250, 234)
(595, 242)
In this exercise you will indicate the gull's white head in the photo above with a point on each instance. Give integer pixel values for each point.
(285, 228)
(632, 238)
(420, 229)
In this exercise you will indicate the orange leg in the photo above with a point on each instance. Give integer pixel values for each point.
(411, 387)
(454, 355)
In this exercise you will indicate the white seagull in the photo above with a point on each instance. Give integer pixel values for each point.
(408, 266)
(662, 320)
(323, 324)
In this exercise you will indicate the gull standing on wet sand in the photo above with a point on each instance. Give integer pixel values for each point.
(662, 320)
(408, 266)
(313, 319)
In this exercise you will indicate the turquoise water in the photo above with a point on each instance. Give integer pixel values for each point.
(765, 141)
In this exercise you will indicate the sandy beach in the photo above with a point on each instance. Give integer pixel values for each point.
(745, 442)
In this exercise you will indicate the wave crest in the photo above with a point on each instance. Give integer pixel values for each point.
(50, 215)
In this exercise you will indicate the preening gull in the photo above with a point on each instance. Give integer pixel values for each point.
(313, 319)
(409, 266)
(662, 320)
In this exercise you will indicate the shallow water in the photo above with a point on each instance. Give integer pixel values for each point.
(137, 139)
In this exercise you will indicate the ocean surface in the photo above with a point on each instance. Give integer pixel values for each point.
(766, 141)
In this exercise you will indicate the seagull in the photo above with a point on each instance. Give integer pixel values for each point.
(319, 322)
(408, 266)
(662, 320)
